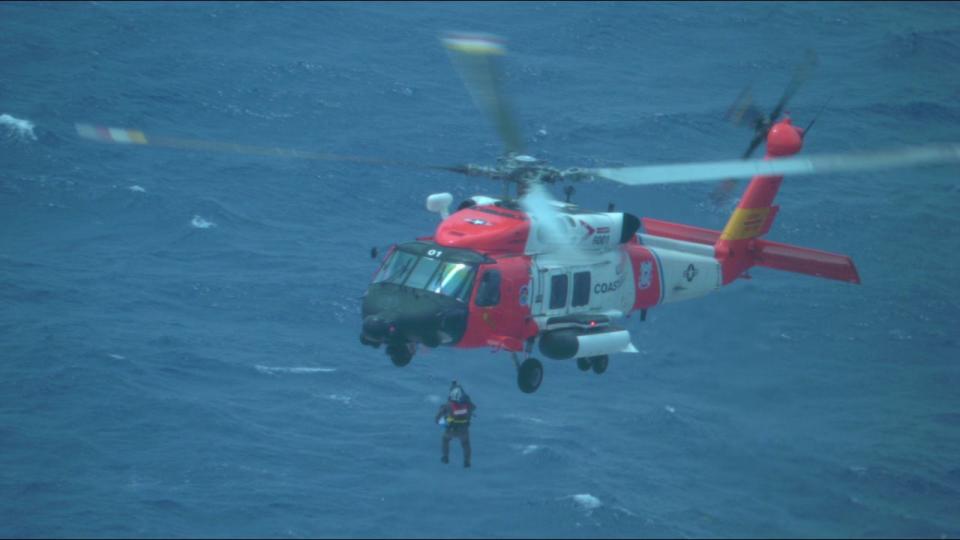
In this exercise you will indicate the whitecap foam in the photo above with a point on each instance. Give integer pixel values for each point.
(138, 189)
(117, 356)
(530, 448)
(587, 501)
(626, 511)
(530, 419)
(859, 470)
(297, 370)
(341, 398)
(527, 449)
(201, 223)
(22, 129)
(433, 398)
(669, 409)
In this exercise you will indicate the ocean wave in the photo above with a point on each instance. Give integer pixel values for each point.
(527, 419)
(544, 454)
(527, 449)
(272, 370)
(916, 109)
(587, 501)
(220, 212)
(200, 223)
(17, 128)
(530, 448)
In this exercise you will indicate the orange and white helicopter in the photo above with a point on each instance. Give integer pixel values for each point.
(530, 273)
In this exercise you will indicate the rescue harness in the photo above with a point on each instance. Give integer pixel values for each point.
(459, 414)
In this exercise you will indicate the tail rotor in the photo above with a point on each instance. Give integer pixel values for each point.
(745, 113)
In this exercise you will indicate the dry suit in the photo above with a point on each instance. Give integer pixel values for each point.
(457, 414)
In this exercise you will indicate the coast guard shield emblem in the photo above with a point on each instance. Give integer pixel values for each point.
(646, 274)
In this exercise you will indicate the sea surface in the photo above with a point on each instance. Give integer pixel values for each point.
(179, 352)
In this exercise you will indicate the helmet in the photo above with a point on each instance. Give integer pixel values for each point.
(456, 394)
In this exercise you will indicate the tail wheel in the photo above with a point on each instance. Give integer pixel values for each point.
(530, 375)
(400, 353)
(599, 363)
(584, 363)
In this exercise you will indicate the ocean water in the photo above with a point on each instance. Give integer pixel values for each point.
(178, 329)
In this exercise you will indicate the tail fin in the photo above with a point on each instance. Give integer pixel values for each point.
(750, 220)
(754, 213)
(739, 247)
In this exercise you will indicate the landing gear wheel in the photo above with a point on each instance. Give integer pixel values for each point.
(599, 363)
(530, 375)
(400, 354)
(583, 363)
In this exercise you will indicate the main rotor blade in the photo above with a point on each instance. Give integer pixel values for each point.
(799, 165)
(475, 57)
(115, 135)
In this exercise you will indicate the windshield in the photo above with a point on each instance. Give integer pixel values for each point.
(427, 273)
(395, 268)
(452, 279)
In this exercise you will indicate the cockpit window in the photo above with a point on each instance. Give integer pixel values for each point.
(452, 279)
(423, 272)
(395, 268)
(447, 278)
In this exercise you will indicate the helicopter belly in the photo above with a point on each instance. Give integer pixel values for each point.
(686, 275)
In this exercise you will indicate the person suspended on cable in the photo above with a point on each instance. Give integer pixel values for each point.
(455, 414)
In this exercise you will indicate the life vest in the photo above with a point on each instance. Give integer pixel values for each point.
(459, 414)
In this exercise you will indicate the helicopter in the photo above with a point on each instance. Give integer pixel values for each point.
(528, 273)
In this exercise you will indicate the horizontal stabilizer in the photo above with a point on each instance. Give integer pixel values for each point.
(679, 231)
(763, 252)
(805, 261)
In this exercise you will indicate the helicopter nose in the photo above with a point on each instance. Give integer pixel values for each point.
(395, 314)
(375, 327)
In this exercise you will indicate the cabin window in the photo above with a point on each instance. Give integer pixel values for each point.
(558, 291)
(488, 293)
(581, 289)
